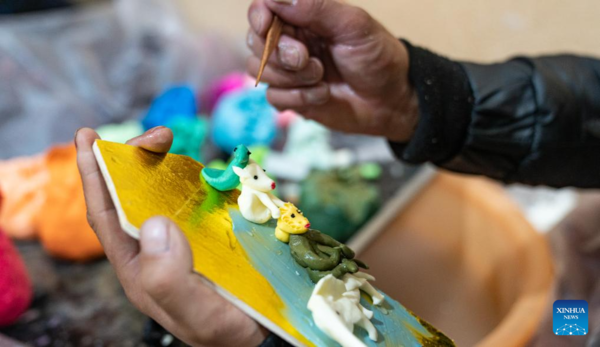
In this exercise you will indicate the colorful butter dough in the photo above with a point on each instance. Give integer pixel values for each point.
(22, 181)
(244, 116)
(15, 286)
(291, 222)
(44, 199)
(338, 202)
(257, 202)
(227, 179)
(177, 101)
(188, 135)
(62, 224)
(223, 86)
(336, 308)
(322, 255)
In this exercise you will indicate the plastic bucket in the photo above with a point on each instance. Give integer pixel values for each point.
(462, 256)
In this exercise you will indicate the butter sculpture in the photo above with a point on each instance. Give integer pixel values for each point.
(336, 309)
(322, 255)
(257, 203)
(291, 221)
(225, 180)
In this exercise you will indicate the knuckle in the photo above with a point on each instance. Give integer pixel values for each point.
(159, 285)
(137, 299)
(91, 221)
(317, 6)
(134, 299)
(359, 18)
(252, 8)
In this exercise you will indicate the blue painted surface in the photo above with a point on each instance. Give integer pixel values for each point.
(274, 261)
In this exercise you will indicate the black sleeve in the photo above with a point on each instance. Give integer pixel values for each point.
(529, 120)
(274, 341)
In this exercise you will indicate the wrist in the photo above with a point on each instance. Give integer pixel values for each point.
(261, 336)
(273, 340)
(405, 117)
(405, 120)
(445, 102)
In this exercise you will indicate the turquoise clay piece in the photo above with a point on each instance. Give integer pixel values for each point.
(188, 135)
(224, 180)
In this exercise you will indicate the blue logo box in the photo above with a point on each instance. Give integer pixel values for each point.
(570, 317)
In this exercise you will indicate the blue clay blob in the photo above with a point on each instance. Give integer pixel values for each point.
(177, 101)
(244, 116)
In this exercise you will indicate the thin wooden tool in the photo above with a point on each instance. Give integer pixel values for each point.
(273, 36)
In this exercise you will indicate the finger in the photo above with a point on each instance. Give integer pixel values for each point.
(158, 139)
(260, 17)
(102, 216)
(168, 278)
(332, 19)
(291, 54)
(299, 98)
(167, 267)
(275, 77)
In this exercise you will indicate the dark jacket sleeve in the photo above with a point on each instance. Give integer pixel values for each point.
(274, 341)
(529, 120)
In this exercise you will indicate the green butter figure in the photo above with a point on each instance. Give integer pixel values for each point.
(224, 180)
(321, 255)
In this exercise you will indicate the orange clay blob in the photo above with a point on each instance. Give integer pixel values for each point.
(21, 181)
(62, 224)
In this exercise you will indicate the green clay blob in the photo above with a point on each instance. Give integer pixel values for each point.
(224, 180)
(322, 255)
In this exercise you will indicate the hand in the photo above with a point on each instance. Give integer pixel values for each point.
(157, 273)
(337, 65)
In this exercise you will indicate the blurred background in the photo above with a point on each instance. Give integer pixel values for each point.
(492, 259)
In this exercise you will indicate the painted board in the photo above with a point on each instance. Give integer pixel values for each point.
(243, 261)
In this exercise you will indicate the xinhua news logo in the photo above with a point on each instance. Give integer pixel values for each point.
(570, 317)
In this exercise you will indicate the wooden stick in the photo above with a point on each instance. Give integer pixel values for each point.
(273, 36)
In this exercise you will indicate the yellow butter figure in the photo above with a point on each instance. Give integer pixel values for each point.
(291, 221)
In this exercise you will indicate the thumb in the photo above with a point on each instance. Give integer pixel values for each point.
(197, 313)
(332, 19)
(167, 273)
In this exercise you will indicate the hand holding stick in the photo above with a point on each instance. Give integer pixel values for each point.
(273, 36)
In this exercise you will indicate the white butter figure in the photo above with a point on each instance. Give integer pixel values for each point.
(335, 306)
(257, 203)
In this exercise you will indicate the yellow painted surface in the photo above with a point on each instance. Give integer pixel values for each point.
(150, 184)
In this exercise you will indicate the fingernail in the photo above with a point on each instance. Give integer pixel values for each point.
(155, 236)
(311, 74)
(315, 96)
(290, 55)
(256, 20)
(287, 2)
(75, 137)
(250, 39)
(155, 129)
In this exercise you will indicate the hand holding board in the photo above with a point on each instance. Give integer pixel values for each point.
(243, 261)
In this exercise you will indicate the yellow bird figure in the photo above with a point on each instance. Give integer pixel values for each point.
(291, 221)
